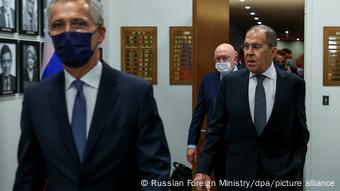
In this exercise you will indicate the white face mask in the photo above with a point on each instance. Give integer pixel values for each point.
(223, 67)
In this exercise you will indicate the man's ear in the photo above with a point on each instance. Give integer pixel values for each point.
(101, 34)
(274, 51)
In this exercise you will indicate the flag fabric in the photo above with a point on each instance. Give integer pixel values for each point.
(51, 63)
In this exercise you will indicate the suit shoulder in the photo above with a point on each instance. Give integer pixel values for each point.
(236, 74)
(210, 76)
(127, 81)
(291, 76)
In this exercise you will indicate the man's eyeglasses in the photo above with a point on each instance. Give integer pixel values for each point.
(60, 26)
(222, 58)
(253, 46)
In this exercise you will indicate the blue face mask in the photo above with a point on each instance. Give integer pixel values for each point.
(73, 48)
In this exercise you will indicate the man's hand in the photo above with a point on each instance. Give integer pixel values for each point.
(202, 182)
(191, 155)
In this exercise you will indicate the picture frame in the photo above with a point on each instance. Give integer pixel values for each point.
(29, 17)
(8, 66)
(43, 16)
(331, 56)
(139, 51)
(8, 16)
(180, 52)
(29, 64)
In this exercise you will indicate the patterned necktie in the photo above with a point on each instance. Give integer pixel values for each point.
(260, 105)
(79, 119)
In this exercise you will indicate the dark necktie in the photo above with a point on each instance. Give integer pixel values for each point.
(8, 84)
(79, 119)
(260, 105)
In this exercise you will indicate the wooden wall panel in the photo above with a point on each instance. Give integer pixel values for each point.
(210, 28)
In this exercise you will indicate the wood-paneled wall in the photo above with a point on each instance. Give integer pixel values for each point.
(210, 28)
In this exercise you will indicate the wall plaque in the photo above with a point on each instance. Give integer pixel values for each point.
(180, 55)
(331, 56)
(139, 52)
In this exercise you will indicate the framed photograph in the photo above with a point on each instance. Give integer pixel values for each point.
(8, 16)
(29, 64)
(8, 66)
(43, 17)
(29, 17)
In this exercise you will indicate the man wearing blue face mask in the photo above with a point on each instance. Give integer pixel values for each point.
(225, 58)
(78, 131)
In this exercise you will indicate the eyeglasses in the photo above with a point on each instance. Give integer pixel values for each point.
(253, 46)
(222, 58)
(60, 26)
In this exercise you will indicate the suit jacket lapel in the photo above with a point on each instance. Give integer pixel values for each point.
(106, 99)
(279, 94)
(57, 100)
(245, 98)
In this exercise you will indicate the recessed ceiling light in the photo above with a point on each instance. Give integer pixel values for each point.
(286, 32)
(259, 22)
(242, 0)
(256, 18)
(247, 7)
(252, 13)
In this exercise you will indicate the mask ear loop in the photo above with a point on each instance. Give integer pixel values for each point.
(93, 34)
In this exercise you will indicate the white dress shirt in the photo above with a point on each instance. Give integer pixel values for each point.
(90, 89)
(269, 84)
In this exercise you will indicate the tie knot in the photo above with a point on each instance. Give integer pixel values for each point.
(260, 78)
(79, 85)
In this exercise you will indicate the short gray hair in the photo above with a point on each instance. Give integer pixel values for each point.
(96, 10)
(270, 34)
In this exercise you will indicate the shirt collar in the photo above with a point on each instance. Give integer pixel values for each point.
(269, 73)
(91, 78)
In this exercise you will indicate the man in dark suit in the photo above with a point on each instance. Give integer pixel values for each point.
(7, 15)
(7, 80)
(268, 134)
(112, 140)
(225, 60)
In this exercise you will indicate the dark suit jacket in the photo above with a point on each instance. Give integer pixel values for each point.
(35, 75)
(205, 105)
(13, 82)
(2, 17)
(126, 142)
(280, 149)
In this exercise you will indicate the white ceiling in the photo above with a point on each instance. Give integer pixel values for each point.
(281, 15)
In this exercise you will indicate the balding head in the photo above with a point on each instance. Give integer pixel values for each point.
(225, 53)
(224, 49)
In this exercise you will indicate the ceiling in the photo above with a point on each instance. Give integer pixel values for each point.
(281, 15)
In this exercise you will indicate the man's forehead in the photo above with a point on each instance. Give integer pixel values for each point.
(71, 11)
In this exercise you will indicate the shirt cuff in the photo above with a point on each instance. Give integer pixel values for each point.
(192, 146)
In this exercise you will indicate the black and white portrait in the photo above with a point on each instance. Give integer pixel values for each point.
(29, 17)
(8, 74)
(7, 16)
(43, 20)
(29, 68)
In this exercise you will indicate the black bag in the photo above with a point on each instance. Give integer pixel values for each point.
(182, 174)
